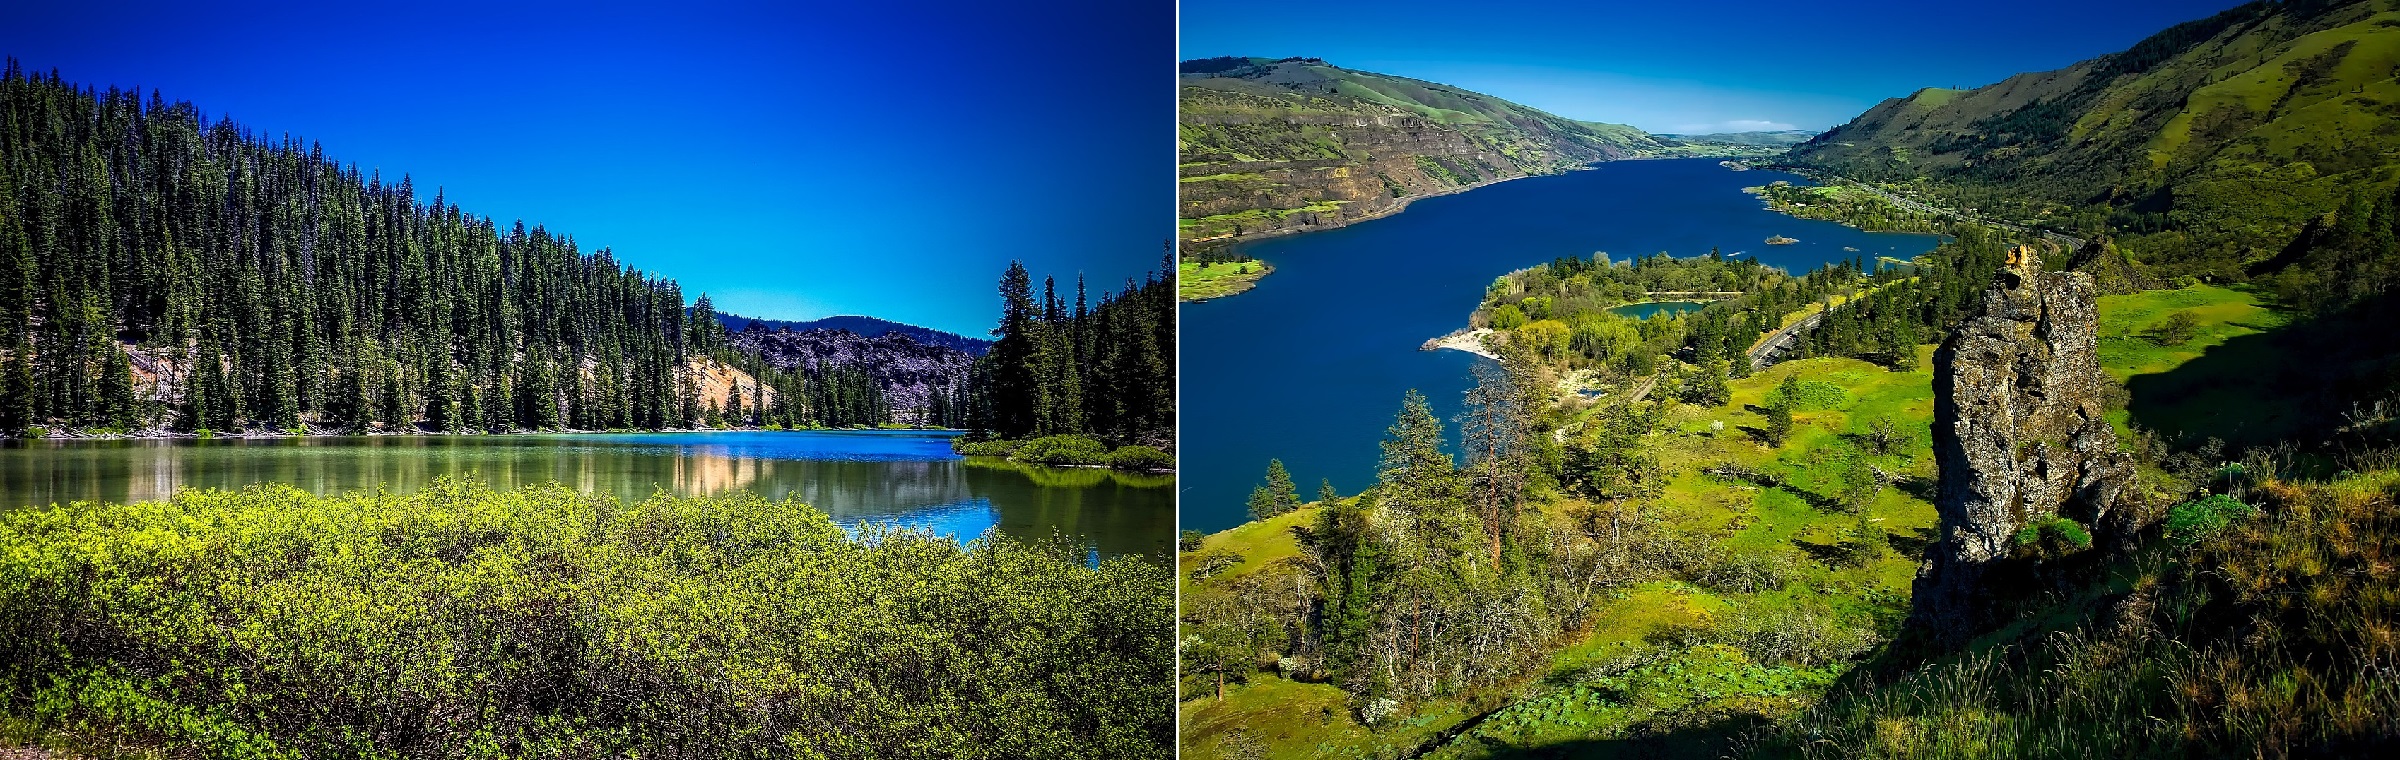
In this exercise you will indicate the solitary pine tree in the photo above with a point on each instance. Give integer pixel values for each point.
(1278, 496)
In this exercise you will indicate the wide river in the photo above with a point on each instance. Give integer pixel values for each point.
(1310, 366)
(903, 477)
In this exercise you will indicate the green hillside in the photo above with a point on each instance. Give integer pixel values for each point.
(2210, 145)
(1271, 146)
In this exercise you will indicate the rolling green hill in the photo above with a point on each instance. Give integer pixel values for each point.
(2211, 144)
(1280, 145)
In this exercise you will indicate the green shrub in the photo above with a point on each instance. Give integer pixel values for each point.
(2193, 521)
(1189, 540)
(966, 447)
(1215, 561)
(2177, 330)
(1140, 458)
(2056, 535)
(461, 622)
(1063, 450)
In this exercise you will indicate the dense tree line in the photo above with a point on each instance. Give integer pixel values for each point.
(160, 270)
(1105, 369)
(1911, 306)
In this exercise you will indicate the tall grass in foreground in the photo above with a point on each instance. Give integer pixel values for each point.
(2279, 636)
(462, 622)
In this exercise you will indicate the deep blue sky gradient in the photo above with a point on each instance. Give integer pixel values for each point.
(1718, 65)
(791, 160)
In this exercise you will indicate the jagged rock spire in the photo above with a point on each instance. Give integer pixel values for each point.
(2019, 432)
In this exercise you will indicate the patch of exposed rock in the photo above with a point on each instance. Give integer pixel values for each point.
(2112, 272)
(910, 373)
(2019, 434)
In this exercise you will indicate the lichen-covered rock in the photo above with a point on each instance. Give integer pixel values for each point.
(2019, 432)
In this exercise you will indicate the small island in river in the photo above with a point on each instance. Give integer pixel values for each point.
(1781, 240)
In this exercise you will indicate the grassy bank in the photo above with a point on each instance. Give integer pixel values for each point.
(461, 622)
(1200, 281)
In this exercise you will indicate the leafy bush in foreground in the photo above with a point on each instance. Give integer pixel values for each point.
(462, 622)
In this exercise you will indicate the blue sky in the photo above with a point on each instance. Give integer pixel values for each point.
(792, 162)
(1684, 67)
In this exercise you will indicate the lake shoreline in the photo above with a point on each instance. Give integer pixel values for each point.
(1467, 339)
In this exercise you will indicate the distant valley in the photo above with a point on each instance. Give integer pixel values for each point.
(1272, 146)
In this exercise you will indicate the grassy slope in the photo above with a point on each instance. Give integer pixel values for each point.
(2210, 386)
(1556, 711)
(2250, 126)
(1199, 282)
(1313, 720)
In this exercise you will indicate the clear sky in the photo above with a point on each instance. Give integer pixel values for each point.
(792, 160)
(1685, 67)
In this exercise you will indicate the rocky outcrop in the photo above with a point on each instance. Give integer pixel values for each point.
(908, 372)
(2112, 272)
(2019, 433)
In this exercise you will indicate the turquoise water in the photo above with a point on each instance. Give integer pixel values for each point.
(904, 477)
(1654, 308)
(1310, 366)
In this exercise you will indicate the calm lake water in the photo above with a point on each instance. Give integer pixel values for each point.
(906, 477)
(1310, 366)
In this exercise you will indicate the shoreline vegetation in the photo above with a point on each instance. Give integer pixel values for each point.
(459, 620)
(1069, 450)
(1847, 203)
(1204, 279)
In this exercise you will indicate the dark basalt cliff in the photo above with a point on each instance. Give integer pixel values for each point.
(908, 372)
(1274, 146)
(2019, 435)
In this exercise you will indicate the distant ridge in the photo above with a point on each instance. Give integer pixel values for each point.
(1778, 138)
(868, 327)
(1280, 145)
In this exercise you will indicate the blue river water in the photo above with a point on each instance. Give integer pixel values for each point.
(1310, 366)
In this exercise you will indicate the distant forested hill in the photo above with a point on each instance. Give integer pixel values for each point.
(1276, 145)
(2210, 145)
(863, 326)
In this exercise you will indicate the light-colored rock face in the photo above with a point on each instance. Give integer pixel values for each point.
(2019, 428)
